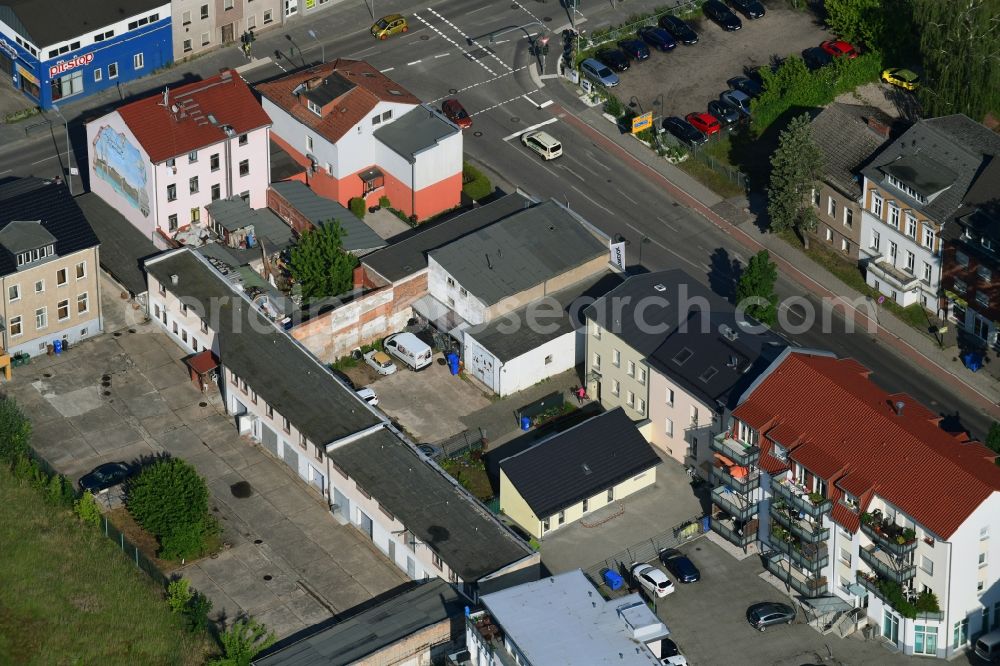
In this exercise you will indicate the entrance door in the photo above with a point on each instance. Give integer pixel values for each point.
(290, 456)
(317, 480)
(981, 327)
(343, 504)
(890, 627)
(411, 567)
(291, 7)
(228, 33)
(392, 550)
(364, 523)
(269, 439)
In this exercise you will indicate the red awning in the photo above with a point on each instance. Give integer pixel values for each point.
(203, 362)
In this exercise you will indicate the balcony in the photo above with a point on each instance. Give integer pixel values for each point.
(809, 532)
(809, 556)
(881, 267)
(731, 532)
(750, 481)
(737, 506)
(900, 605)
(811, 504)
(890, 537)
(738, 452)
(490, 637)
(888, 567)
(806, 585)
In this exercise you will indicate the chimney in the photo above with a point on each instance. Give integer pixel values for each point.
(314, 83)
(879, 128)
(174, 279)
(899, 407)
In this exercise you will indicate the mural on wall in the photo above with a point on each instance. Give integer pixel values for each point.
(120, 164)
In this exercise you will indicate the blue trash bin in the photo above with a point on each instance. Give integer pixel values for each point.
(706, 523)
(525, 423)
(453, 362)
(57, 346)
(612, 579)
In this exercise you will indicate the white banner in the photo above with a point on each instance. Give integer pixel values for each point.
(618, 255)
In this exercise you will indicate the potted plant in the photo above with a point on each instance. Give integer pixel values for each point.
(866, 519)
(909, 535)
(816, 498)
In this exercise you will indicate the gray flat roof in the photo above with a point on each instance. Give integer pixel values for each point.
(564, 621)
(22, 235)
(358, 236)
(519, 252)
(347, 641)
(281, 372)
(44, 24)
(123, 247)
(234, 214)
(416, 130)
(465, 535)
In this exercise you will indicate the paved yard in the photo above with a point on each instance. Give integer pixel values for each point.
(290, 563)
(690, 76)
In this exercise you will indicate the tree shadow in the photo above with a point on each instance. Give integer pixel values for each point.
(724, 274)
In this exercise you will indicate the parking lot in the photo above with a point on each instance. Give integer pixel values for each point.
(691, 76)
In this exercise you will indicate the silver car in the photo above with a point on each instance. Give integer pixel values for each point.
(599, 73)
(738, 99)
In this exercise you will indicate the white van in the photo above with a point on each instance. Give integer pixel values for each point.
(543, 143)
(409, 349)
(988, 646)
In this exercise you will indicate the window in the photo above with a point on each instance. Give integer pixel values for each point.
(597, 361)
(984, 273)
(98, 75)
(829, 235)
(630, 399)
(925, 639)
(285, 425)
(845, 556)
(268, 16)
(15, 327)
(982, 298)
(903, 187)
(815, 197)
(911, 226)
(309, 143)
(81, 270)
(611, 494)
(694, 415)
(548, 359)
(927, 564)
(960, 633)
(845, 245)
(216, 192)
(597, 332)
(227, 5)
(243, 140)
(616, 358)
(561, 517)
(40, 287)
(982, 559)
(927, 272)
(848, 218)
(269, 411)
(586, 505)
(171, 193)
(984, 532)
(186, 18)
(62, 310)
(192, 157)
(113, 70)
(876, 240)
(41, 318)
(642, 375)
(463, 292)
(172, 222)
(193, 185)
(616, 387)
(137, 61)
(959, 286)
(62, 277)
(436, 560)
(204, 326)
(14, 293)
(894, 215)
(376, 119)
(187, 46)
(929, 238)
(213, 161)
(962, 259)
(670, 397)
(640, 406)
(831, 207)
(892, 252)
(204, 11)
(876, 204)
(546, 525)
(386, 115)
(631, 369)
(244, 167)
(668, 428)
(910, 260)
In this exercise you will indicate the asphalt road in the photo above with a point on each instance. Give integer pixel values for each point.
(447, 53)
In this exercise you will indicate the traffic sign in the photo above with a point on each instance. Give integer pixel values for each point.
(642, 122)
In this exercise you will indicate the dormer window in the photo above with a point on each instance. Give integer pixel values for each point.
(31, 256)
(904, 188)
(850, 501)
(314, 107)
(987, 243)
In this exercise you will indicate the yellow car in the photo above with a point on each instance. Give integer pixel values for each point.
(901, 78)
(389, 25)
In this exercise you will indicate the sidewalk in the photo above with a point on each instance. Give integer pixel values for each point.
(981, 389)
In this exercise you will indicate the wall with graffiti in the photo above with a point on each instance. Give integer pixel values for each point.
(119, 163)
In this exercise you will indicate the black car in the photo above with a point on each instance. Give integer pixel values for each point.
(684, 131)
(613, 58)
(722, 15)
(816, 58)
(756, 73)
(724, 111)
(658, 38)
(679, 29)
(635, 49)
(668, 649)
(680, 566)
(104, 477)
(749, 8)
(763, 615)
(746, 86)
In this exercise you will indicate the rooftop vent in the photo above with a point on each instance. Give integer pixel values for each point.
(728, 333)
(586, 468)
(659, 287)
(174, 279)
(393, 91)
(708, 374)
(682, 356)
(899, 407)
(212, 119)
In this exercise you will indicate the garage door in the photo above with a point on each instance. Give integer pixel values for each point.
(365, 524)
(480, 363)
(290, 456)
(343, 504)
(269, 439)
(317, 480)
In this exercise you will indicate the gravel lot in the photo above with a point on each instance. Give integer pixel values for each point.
(690, 76)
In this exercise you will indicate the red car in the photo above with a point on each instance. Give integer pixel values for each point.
(705, 123)
(839, 49)
(456, 113)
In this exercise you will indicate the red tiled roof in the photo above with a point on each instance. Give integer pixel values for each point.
(165, 133)
(937, 478)
(371, 87)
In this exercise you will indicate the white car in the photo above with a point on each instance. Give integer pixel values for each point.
(381, 362)
(542, 143)
(368, 395)
(653, 579)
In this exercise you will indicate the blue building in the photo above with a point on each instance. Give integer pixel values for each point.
(62, 50)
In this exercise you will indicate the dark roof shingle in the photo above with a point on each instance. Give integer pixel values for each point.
(123, 247)
(358, 236)
(842, 134)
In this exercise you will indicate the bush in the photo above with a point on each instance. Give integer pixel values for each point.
(184, 543)
(383, 201)
(358, 207)
(613, 106)
(15, 432)
(87, 510)
(242, 642)
(189, 603)
(170, 500)
(476, 185)
(179, 595)
(60, 491)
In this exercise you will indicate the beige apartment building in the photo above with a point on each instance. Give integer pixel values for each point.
(49, 268)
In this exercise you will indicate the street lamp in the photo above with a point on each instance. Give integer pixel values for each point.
(69, 150)
(295, 46)
(322, 46)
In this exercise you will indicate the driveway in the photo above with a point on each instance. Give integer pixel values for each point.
(126, 395)
(689, 77)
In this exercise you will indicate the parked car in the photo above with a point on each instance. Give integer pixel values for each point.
(613, 58)
(684, 131)
(543, 143)
(745, 85)
(705, 123)
(816, 57)
(763, 615)
(738, 99)
(901, 78)
(756, 73)
(680, 565)
(635, 49)
(839, 49)
(671, 654)
(390, 25)
(658, 38)
(599, 73)
(752, 9)
(679, 29)
(652, 579)
(368, 395)
(724, 111)
(105, 477)
(722, 15)
(409, 349)
(381, 362)
(430, 451)
(456, 113)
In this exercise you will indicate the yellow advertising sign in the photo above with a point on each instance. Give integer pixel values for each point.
(310, 4)
(642, 122)
(27, 75)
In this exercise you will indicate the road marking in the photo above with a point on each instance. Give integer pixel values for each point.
(526, 10)
(50, 157)
(470, 40)
(610, 212)
(568, 170)
(415, 62)
(474, 85)
(598, 162)
(680, 256)
(530, 129)
(473, 11)
(546, 103)
(501, 41)
(442, 55)
(387, 69)
(357, 56)
(455, 44)
(540, 163)
(507, 101)
(667, 224)
(626, 196)
(2, 173)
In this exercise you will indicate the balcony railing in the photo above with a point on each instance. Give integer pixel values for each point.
(729, 534)
(887, 541)
(799, 498)
(751, 481)
(874, 589)
(737, 506)
(738, 452)
(808, 532)
(883, 565)
(807, 556)
(807, 586)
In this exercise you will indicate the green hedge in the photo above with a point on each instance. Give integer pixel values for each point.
(475, 185)
(358, 207)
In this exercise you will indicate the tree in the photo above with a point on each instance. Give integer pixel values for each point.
(755, 291)
(993, 437)
(170, 500)
(242, 642)
(320, 264)
(795, 166)
(87, 510)
(857, 21)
